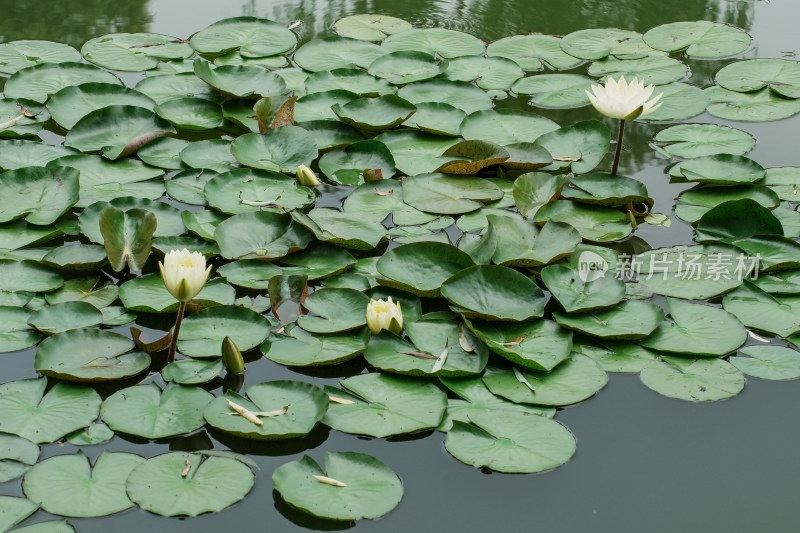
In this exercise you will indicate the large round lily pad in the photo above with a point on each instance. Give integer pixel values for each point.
(421, 268)
(37, 194)
(694, 380)
(251, 36)
(40, 81)
(700, 38)
(280, 149)
(202, 333)
(133, 52)
(260, 235)
(494, 293)
(296, 347)
(632, 319)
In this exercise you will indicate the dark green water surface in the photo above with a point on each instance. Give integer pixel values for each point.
(645, 463)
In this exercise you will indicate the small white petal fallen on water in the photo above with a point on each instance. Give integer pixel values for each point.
(295, 24)
(11, 122)
(440, 361)
(343, 401)
(521, 379)
(330, 481)
(276, 412)
(248, 415)
(757, 337)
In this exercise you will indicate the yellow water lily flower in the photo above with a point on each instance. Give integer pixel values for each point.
(384, 315)
(184, 273)
(623, 100)
(307, 177)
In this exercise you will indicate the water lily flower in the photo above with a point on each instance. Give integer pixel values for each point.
(184, 273)
(384, 315)
(307, 177)
(624, 101)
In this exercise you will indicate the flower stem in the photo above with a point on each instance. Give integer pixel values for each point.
(619, 147)
(174, 344)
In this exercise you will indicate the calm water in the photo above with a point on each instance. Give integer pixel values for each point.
(644, 462)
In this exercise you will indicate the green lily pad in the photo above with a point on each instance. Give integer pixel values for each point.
(769, 362)
(435, 41)
(18, 153)
(656, 70)
(89, 355)
(472, 157)
(580, 146)
(785, 182)
(260, 235)
(146, 412)
(295, 408)
(336, 310)
(39, 82)
(17, 456)
(27, 276)
(403, 67)
(489, 73)
(530, 51)
(15, 332)
(694, 380)
(133, 52)
(37, 194)
(460, 94)
(210, 485)
(213, 154)
(15, 123)
(572, 381)
(251, 36)
(250, 273)
(679, 101)
(148, 294)
(164, 152)
(348, 79)
(769, 253)
(245, 190)
(538, 344)
(74, 102)
(127, 236)
(280, 149)
(87, 289)
(780, 75)
(188, 186)
(448, 195)
(758, 106)
(385, 405)
(239, 81)
(169, 218)
(68, 485)
(202, 333)
(632, 319)
(96, 433)
(758, 309)
(337, 52)
(576, 294)
(535, 189)
(601, 188)
(367, 488)
(375, 114)
(369, 27)
(700, 38)
(331, 134)
(437, 118)
(416, 152)
(191, 113)
(342, 229)
(347, 166)
(506, 126)
(698, 140)
(65, 316)
(555, 90)
(494, 293)
(737, 219)
(317, 106)
(513, 442)
(521, 243)
(192, 371)
(16, 55)
(26, 411)
(117, 130)
(594, 223)
(162, 89)
(421, 268)
(696, 330)
(720, 169)
(296, 347)
(14, 510)
(596, 43)
(615, 356)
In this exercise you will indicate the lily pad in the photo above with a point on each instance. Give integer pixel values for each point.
(365, 488)
(576, 294)
(296, 347)
(385, 405)
(530, 51)
(700, 38)
(260, 235)
(537, 344)
(375, 114)
(280, 149)
(162, 89)
(758, 309)
(694, 380)
(656, 70)
(555, 90)
(65, 316)
(594, 223)
(448, 195)
(74, 102)
(435, 41)
(26, 411)
(145, 412)
(39, 82)
(494, 293)
(317, 106)
(348, 79)
(580, 146)
(601, 188)
(342, 229)
(331, 53)
(17, 456)
(489, 73)
(133, 52)
(347, 166)
(336, 310)
(203, 332)
(522, 244)
(239, 81)
(769, 362)
(596, 43)
(192, 371)
(87, 289)
(506, 126)
(421, 268)
(535, 189)
(632, 319)
(460, 94)
(68, 485)
(403, 67)
(37, 194)
(16, 55)
(148, 294)
(780, 75)
(169, 218)
(416, 152)
(758, 106)
(251, 36)
(19, 153)
(294, 409)
(245, 190)
(210, 485)
(698, 140)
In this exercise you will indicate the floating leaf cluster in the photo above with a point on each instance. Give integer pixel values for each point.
(495, 227)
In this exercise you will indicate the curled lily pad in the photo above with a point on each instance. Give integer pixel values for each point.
(145, 412)
(281, 149)
(494, 293)
(251, 36)
(168, 217)
(117, 130)
(133, 52)
(352, 486)
(694, 380)
(384, 405)
(535, 189)
(572, 381)
(473, 156)
(210, 484)
(69, 485)
(512, 442)
(521, 243)
(286, 409)
(26, 410)
(296, 347)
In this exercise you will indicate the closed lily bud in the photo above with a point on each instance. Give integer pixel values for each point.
(232, 357)
(184, 273)
(307, 177)
(384, 315)
(623, 100)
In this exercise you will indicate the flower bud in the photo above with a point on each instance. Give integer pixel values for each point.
(307, 177)
(232, 357)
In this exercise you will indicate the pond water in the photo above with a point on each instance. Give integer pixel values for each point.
(644, 462)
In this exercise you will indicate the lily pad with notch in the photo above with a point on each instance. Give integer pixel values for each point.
(632, 319)
(203, 332)
(694, 380)
(494, 293)
(249, 190)
(260, 235)
(296, 347)
(336, 310)
(537, 344)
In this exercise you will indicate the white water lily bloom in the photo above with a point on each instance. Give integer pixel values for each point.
(623, 100)
(184, 273)
(384, 315)
(307, 177)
